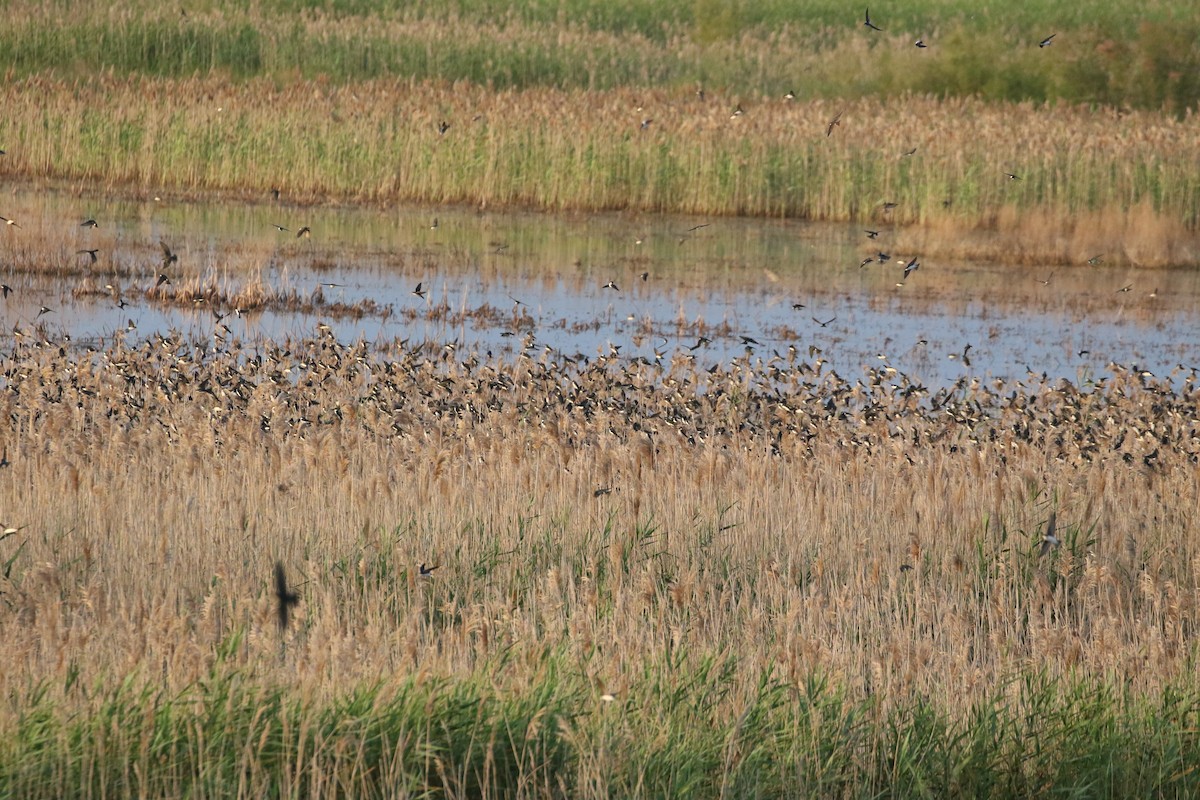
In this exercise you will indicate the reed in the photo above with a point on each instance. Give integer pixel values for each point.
(1079, 170)
(650, 579)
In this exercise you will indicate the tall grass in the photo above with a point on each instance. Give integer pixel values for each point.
(651, 579)
(379, 142)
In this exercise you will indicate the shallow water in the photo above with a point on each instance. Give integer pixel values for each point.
(727, 280)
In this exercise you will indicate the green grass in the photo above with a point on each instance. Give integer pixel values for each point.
(681, 730)
(1144, 56)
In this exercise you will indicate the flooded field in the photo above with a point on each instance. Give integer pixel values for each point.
(639, 286)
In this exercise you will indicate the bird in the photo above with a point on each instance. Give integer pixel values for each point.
(866, 261)
(610, 285)
(44, 310)
(89, 223)
(1096, 261)
(1045, 281)
(870, 24)
(162, 278)
(908, 153)
(280, 228)
(1012, 177)
(418, 292)
(737, 112)
(646, 123)
(8, 221)
(889, 205)
(1127, 287)
(426, 571)
(701, 342)
(5, 289)
(286, 599)
(698, 227)
(790, 95)
(443, 126)
(1049, 540)
(168, 256)
(304, 233)
(833, 123)
(966, 361)
(90, 253)
(921, 44)
(872, 234)
(911, 267)
(826, 322)
(434, 226)
(747, 340)
(1049, 40)
(797, 306)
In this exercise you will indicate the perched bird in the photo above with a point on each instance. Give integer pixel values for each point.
(833, 123)
(1049, 540)
(434, 226)
(418, 292)
(870, 24)
(90, 253)
(1049, 40)
(89, 223)
(285, 598)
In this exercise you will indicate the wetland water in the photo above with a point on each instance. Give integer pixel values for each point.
(729, 279)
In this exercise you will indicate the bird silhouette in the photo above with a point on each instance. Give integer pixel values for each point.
(824, 324)
(418, 292)
(285, 598)
(870, 24)
(90, 253)
(89, 223)
(833, 123)
(304, 233)
(168, 256)
(1049, 40)
(1049, 540)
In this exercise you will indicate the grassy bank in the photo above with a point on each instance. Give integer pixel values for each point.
(778, 573)
(1081, 174)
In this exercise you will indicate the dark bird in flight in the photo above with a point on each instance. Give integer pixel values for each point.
(89, 223)
(162, 278)
(44, 310)
(418, 292)
(5, 289)
(434, 226)
(646, 123)
(610, 285)
(889, 205)
(908, 153)
(797, 306)
(921, 44)
(280, 228)
(168, 256)
(698, 227)
(1049, 40)
(1045, 281)
(872, 234)
(90, 253)
(1012, 177)
(8, 221)
(426, 571)
(737, 112)
(883, 257)
(911, 267)
(747, 340)
(865, 261)
(833, 123)
(790, 95)
(305, 233)
(965, 359)
(870, 24)
(826, 322)
(285, 598)
(703, 340)
(1095, 261)
(443, 126)
(1127, 287)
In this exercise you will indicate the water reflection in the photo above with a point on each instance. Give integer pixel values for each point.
(500, 282)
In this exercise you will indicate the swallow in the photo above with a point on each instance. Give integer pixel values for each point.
(965, 359)
(1045, 281)
(1049, 540)
(870, 24)
(908, 153)
(866, 261)
(645, 277)
(443, 126)
(646, 124)
(304, 233)
(737, 112)
(8, 221)
(889, 205)
(603, 490)
(44, 310)
(911, 267)
(872, 234)
(1012, 177)
(610, 285)
(90, 253)
(701, 342)
(162, 278)
(833, 123)
(1096, 261)
(882, 257)
(790, 95)
(920, 43)
(797, 306)
(434, 225)
(418, 293)
(747, 340)
(1049, 40)
(698, 227)
(285, 598)
(826, 322)
(425, 571)
(168, 256)
(280, 228)
(89, 223)
(5, 289)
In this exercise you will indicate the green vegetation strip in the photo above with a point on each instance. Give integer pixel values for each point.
(673, 734)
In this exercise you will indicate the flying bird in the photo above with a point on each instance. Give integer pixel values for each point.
(1012, 177)
(8, 221)
(90, 253)
(870, 24)
(280, 228)
(418, 292)
(833, 123)
(826, 322)
(89, 223)
(1049, 40)
(426, 571)
(790, 95)
(286, 599)
(610, 285)
(304, 233)
(737, 112)
(921, 44)
(1049, 540)
(872, 234)
(162, 278)
(911, 267)
(5, 289)
(443, 126)
(168, 256)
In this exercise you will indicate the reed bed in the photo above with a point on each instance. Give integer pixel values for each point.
(651, 578)
(1124, 178)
